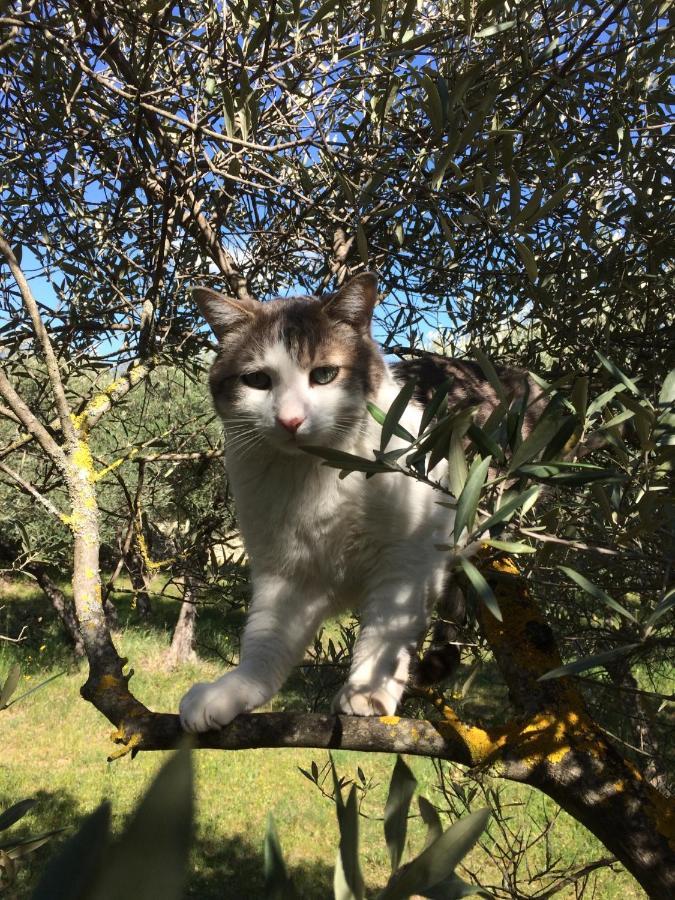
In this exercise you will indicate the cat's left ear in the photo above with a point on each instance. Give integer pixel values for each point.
(221, 312)
(354, 302)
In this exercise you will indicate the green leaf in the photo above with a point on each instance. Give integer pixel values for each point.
(667, 394)
(380, 417)
(596, 592)
(348, 881)
(10, 685)
(457, 467)
(618, 374)
(321, 13)
(527, 259)
(467, 502)
(580, 396)
(482, 440)
(497, 28)
(338, 459)
(395, 411)
(604, 398)
(362, 243)
(151, 859)
(490, 373)
(507, 508)
(68, 875)
(539, 437)
(549, 205)
(15, 812)
(31, 842)
(666, 604)
(481, 587)
(510, 546)
(434, 404)
(617, 419)
(277, 883)
(431, 819)
(589, 662)
(36, 687)
(434, 106)
(439, 860)
(401, 790)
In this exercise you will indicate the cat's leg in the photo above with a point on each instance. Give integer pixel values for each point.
(282, 620)
(393, 619)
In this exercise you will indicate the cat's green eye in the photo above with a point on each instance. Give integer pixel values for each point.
(323, 374)
(261, 381)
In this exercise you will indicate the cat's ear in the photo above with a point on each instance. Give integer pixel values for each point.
(221, 312)
(354, 302)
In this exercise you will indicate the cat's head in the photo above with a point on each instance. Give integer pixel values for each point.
(294, 371)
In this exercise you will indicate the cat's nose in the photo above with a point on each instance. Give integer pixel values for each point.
(291, 425)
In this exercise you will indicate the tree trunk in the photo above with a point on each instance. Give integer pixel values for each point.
(182, 644)
(62, 605)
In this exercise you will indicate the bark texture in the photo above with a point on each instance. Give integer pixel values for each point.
(182, 647)
(62, 606)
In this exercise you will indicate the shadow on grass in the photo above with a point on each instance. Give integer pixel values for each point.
(231, 867)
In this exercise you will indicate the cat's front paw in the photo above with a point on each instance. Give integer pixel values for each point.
(355, 700)
(210, 705)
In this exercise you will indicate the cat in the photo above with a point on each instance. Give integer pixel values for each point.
(298, 372)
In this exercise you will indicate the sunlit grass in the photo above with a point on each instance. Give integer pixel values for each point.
(55, 747)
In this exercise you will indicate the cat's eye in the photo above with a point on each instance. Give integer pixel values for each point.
(261, 381)
(323, 374)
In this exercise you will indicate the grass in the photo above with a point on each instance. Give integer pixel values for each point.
(55, 747)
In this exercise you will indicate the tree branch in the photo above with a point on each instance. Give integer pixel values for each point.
(55, 380)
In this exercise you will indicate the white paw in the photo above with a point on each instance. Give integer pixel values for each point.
(359, 700)
(211, 705)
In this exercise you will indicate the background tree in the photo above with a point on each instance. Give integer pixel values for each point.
(505, 167)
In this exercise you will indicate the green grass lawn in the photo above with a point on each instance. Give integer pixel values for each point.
(55, 745)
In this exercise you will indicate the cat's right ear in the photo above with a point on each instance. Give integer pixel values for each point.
(221, 312)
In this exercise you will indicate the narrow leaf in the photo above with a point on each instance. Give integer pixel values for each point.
(490, 373)
(457, 467)
(467, 502)
(540, 436)
(481, 587)
(589, 662)
(618, 374)
(15, 812)
(527, 259)
(277, 883)
(510, 546)
(10, 684)
(401, 790)
(431, 819)
(338, 459)
(666, 604)
(507, 508)
(395, 411)
(348, 881)
(596, 592)
(439, 860)
(497, 28)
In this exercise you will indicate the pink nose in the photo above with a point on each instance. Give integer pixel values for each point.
(291, 425)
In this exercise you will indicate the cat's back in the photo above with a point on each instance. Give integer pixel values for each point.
(469, 386)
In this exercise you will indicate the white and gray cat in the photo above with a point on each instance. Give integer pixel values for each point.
(296, 372)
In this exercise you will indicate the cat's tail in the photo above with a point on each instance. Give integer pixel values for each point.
(442, 657)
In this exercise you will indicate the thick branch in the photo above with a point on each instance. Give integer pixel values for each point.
(33, 426)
